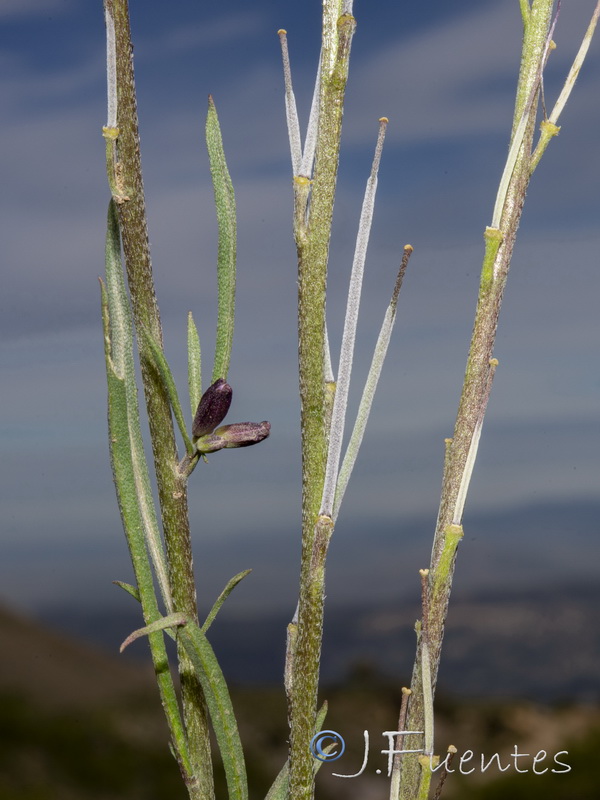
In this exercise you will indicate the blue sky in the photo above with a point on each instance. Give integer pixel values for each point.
(444, 74)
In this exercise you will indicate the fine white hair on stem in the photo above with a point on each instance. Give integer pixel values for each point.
(291, 112)
(347, 349)
(366, 401)
(310, 143)
(473, 447)
(111, 69)
(427, 699)
(574, 71)
(328, 376)
(426, 665)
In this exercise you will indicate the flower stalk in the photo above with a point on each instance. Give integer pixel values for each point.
(312, 233)
(323, 399)
(461, 450)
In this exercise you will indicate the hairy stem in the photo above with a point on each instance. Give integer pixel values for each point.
(312, 233)
(171, 484)
(476, 388)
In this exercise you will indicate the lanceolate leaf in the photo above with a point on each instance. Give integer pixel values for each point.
(162, 366)
(215, 690)
(172, 621)
(279, 787)
(119, 331)
(194, 364)
(122, 460)
(222, 597)
(129, 589)
(220, 708)
(225, 204)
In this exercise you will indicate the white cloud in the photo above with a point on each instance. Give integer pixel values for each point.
(217, 32)
(456, 78)
(10, 9)
(23, 88)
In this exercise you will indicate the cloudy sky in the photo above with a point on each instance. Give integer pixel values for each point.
(444, 74)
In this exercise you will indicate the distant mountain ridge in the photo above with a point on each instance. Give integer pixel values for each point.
(539, 644)
(82, 724)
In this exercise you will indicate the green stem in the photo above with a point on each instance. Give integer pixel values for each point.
(312, 232)
(476, 387)
(426, 762)
(171, 484)
(525, 10)
(307, 654)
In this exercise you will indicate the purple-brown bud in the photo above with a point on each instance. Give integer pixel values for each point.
(212, 408)
(239, 434)
(243, 434)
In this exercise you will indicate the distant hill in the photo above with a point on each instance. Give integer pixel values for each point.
(76, 723)
(56, 670)
(542, 645)
(80, 724)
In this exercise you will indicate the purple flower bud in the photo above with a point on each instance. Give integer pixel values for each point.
(212, 408)
(243, 434)
(239, 434)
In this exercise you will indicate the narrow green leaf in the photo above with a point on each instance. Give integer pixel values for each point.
(321, 716)
(222, 597)
(220, 708)
(120, 347)
(163, 369)
(132, 522)
(118, 343)
(170, 621)
(136, 595)
(129, 589)
(226, 261)
(194, 365)
(279, 788)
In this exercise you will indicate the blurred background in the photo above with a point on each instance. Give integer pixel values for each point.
(523, 622)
